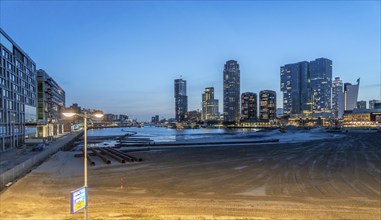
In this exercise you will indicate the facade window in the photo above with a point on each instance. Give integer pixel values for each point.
(18, 65)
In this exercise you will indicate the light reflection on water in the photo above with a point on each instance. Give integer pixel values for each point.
(159, 134)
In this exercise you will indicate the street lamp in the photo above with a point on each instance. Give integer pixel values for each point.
(84, 116)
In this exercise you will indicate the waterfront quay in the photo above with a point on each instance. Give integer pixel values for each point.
(326, 178)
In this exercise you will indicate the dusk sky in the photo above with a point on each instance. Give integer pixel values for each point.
(123, 56)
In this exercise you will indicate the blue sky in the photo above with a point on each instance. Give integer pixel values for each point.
(122, 56)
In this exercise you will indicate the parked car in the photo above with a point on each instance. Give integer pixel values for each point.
(38, 147)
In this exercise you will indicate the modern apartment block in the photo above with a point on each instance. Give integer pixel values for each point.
(231, 79)
(249, 109)
(209, 105)
(51, 103)
(192, 116)
(337, 98)
(306, 87)
(181, 99)
(18, 91)
(350, 95)
(267, 105)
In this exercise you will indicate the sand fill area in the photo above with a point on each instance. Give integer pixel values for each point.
(325, 179)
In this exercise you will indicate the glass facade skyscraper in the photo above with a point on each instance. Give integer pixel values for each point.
(232, 93)
(249, 109)
(321, 84)
(181, 99)
(295, 85)
(306, 87)
(337, 98)
(17, 92)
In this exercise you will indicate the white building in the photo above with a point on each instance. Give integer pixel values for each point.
(350, 95)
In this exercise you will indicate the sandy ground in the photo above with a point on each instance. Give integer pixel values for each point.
(326, 179)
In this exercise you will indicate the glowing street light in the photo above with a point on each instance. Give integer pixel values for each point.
(69, 114)
(84, 116)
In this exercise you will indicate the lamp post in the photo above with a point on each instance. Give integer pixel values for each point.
(84, 116)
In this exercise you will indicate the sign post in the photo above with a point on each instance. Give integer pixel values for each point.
(78, 199)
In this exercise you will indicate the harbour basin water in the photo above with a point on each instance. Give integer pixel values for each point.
(160, 134)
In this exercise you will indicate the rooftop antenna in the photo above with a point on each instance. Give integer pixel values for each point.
(181, 76)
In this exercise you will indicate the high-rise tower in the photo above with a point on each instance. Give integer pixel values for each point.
(321, 84)
(306, 87)
(209, 105)
(231, 91)
(295, 85)
(181, 99)
(337, 98)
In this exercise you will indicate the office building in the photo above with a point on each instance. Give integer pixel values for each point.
(231, 91)
(295, 85)
(51, 103)
(361, 105)
(181, 99)
(209, 105)
(337, 98)
(350, 95)
(267, 105)
(321, 84)
(249, 109)
(306, 87)
(373, 102)
(155, 119)
(18, 92)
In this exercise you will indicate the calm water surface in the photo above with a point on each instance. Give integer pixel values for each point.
(159, 134)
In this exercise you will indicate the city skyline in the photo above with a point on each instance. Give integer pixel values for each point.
(142, 47)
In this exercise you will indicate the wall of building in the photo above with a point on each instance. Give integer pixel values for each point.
(18, 91)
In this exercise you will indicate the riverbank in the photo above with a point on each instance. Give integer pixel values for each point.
(317, 179)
